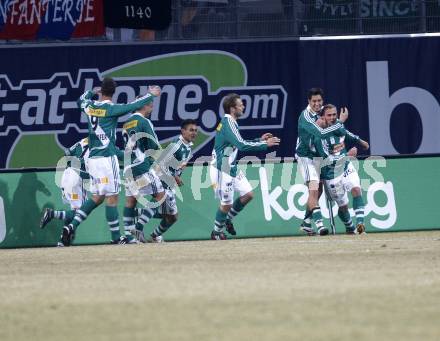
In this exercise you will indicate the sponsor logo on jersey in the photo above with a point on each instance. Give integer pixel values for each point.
(96, 112)
(130, 124)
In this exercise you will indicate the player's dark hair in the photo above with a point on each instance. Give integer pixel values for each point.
(326, 107)
(187, 122)
(314, 92)
(230, 102)
(108, 87)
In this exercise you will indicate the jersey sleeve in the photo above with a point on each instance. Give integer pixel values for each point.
(85, 99)
(169, 158)
(75, 150)
(317, 142)
(350, 137)
(150, 142)
(233, 136)
(122, 109)
(119, 154)
(312, 128)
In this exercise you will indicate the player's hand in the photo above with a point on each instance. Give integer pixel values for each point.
(97, 90)
(179, 181)
(265, 136)
(154, 90)
(364, 144)
(273, 141)
(338, 147)
(321, 122)
(353, 152)
(343, 114)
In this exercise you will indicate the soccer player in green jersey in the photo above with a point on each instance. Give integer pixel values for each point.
(334, 166)
(72, 185)
(225, 177)
(141, 148)
(308, 129)
(102, 116)
(339, 181)
(172, 162)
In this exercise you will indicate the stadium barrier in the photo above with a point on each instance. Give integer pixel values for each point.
(400, 195)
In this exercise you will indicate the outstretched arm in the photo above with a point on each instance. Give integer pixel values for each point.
(234, 137)
(313, 128)
(122, 109)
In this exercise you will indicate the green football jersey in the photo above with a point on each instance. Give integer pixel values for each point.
(228, 142)
(308, 129)
(182, 153)
(81, 151)
(332, 150)
(140, 162)
(176, 155)
(103, 119)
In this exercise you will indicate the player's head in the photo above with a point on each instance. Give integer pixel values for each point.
(189, 130)
(233, 105)
(315, 97)
(147, 109)
(329, 114)
(108, 87)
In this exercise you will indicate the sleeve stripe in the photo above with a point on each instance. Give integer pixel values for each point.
(240, 139)
(154, 133)
(321, 130)
(83, 96)
(141, 98)
(171, 152)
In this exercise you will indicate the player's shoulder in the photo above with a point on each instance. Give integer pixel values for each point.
(176, 140)
(132, 122)
(98, 108)
(177, 143)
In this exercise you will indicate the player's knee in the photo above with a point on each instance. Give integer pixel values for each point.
(98, 199)
(356, 192)
(225, 208)
(247, 197)
(313, 186)
(130, 202)
(343, 208)
(159, 196)
(112, 200)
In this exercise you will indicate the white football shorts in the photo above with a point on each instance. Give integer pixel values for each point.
(104, 175)
(225, 185)
(72, 188)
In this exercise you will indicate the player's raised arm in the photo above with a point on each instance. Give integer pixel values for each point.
(343, 114)
(85, 98)
(122, 109)
(313, 128)
(355, 139)
(74, 150)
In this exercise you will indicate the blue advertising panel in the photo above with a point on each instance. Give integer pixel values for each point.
(389, 85)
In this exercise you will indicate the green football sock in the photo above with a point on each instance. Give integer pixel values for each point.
(161, 228)
(220, 218)
(68, 216)
(83, 212)
(146, 215)
(129, 213)
(317, 217)
(346, 219)
(307, 221)
(112, 216)
(359, 208)
(237, 206)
